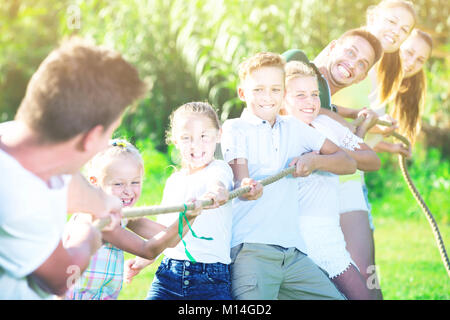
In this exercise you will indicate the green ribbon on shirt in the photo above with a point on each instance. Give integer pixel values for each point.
(182, 216)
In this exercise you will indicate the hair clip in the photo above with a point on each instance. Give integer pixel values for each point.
(119, 144)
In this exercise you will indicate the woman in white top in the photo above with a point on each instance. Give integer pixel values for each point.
(318, 193)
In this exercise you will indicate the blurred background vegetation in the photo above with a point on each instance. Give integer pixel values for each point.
(190, 50)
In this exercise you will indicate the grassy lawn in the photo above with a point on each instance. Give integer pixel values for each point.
(408, 261)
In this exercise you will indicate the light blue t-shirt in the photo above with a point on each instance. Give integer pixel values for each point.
(272, 219)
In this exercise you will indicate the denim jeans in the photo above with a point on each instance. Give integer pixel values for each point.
(184, 280)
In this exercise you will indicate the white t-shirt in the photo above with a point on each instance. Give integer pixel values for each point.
(214, 223)
(272, 219)
(318, 192)
(32, 218)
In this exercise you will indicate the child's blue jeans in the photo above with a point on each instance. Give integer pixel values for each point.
(184, 280)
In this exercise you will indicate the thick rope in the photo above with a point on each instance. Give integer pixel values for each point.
(426, 211)
(416, 194)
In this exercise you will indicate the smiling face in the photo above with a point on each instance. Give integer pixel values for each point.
(391, 26)
(414, 52)
(195, 136)
(302, 98)
(349, 60)
(122, 177)
(263, 91)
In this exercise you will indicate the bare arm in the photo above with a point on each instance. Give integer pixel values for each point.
(366, 159)
(399, 148)
(145, 228)
(159, 237)
(348, 112)
(335, 160)
(331, 158)
(53, 275)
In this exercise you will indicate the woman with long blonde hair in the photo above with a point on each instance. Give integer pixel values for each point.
(407, 104)
(391, 21)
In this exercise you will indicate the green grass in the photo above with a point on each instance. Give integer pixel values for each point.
(408, 260)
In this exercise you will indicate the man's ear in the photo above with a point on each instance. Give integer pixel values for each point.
(93, 180)
(90, 139)
(240, 92)
(331, 46)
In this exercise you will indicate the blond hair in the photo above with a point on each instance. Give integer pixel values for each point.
(116, 148)
(261, 59)
(389, 69)
(296, 69)
(409, 100)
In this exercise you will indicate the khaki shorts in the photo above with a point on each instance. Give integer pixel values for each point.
(269, 272)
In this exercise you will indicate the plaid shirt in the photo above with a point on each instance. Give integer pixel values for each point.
(102, 280)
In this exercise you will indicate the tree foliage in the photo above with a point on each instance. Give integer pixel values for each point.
(190, 50)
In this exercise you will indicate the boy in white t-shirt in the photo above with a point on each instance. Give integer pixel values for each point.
(267, 246)
(71, 107)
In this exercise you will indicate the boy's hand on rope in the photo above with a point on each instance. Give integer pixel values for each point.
(256, 189)
(304, 165)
